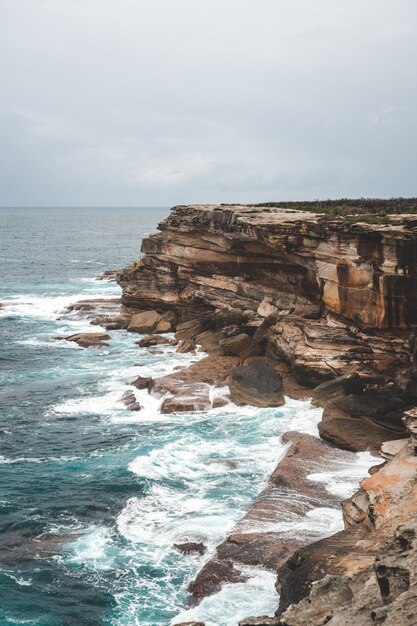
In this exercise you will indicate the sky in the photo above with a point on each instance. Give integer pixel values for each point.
(163, 102)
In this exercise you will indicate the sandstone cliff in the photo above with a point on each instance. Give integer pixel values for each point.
(328, 297)
(329, 304)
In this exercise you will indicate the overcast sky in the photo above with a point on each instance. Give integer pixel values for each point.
(160, 102)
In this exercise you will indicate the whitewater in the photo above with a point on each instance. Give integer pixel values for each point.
(93, 497)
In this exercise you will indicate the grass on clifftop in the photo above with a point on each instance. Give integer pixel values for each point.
(369, 210)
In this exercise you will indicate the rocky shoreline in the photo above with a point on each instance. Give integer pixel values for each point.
(286, 301)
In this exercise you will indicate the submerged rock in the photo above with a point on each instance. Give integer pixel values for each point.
(190, 547)
(257, 383)
(130, 402)
(88, 340)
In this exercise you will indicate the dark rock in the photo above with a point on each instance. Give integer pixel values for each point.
(152, 340)
(130, 402)
(263, 620)
(257, 384)
(141, 382)
(363, 421)
(190, 547)
(211, 577)
(241, 345)
(190, 624)
(337, 388)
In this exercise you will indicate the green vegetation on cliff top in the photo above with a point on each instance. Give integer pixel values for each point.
(349, 211)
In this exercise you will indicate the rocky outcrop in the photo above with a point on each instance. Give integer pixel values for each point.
(328, 304)
(88, 340)
(150, 321)
(130, 401)
(363, 272)
(189, 389)
(323, 295)
(375, 569)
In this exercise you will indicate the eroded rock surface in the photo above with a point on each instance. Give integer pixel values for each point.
(268, 533)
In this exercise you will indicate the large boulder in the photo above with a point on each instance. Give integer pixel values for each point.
(152, 321)
(257, 384)
(144, 322)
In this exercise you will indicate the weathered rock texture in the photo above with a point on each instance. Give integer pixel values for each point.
(377, 569)
(328, 303)
(270, 532)
(325, 297)
(364, 273)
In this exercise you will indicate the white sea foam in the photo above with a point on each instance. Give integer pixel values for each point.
(167, 516)
(44, 307)
(233, 602)
(343, 481)
(22, 582)
(93, 548)
(28, 459)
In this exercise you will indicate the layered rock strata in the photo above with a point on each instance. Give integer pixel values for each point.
(330, 304)
(327, 298)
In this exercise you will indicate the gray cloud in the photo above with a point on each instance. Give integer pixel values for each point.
(153, 102)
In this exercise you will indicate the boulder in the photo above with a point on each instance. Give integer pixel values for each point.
(152, 340)
(363, 421)
(257, 384)
(337, 388)
(266, 308)
(193, 400)
(141, 382)
(144, 322)
(163, 326)
(88, 340)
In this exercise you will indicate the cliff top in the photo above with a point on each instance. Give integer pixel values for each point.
(366, 214)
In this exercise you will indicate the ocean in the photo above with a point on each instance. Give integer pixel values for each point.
(93, 497)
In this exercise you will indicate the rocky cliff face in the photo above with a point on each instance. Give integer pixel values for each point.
(330, 304)
(327, 297)
(234, 256)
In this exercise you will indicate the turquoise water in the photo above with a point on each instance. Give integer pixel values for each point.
(93, 497)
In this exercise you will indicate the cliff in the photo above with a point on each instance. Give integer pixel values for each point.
(327, 297)
(324, 302)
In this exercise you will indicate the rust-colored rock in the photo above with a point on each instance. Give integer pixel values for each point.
(144, 322)
(152, 340)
